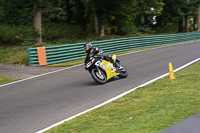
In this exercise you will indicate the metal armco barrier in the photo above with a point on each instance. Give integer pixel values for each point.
(63, 53)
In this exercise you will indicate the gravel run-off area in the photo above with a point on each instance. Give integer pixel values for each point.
(23, 71)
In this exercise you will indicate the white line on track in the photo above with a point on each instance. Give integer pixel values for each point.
(117, 97)
(38, 75)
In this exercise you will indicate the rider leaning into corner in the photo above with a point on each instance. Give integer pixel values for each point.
(91, 52)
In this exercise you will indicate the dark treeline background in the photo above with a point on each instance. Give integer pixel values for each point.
(68, 21)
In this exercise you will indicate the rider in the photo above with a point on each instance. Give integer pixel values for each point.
(96, 52)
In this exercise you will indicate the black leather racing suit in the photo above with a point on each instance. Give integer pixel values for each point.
(98, 52)
(95, 51)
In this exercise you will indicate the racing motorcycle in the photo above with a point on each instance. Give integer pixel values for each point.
(102, 70)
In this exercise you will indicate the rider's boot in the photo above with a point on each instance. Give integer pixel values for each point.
(115, 64)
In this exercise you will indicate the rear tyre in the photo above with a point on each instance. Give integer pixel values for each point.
(123, 72)
(99, 76)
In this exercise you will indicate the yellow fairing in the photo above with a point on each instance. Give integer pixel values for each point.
(109, 69)
(114, 57)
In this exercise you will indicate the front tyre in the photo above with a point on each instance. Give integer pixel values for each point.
(99, 76)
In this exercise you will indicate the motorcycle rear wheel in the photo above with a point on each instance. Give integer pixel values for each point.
(123, 72)
(98, 77)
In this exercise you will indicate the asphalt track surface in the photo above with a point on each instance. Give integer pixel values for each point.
(34, 104)
(190, 125)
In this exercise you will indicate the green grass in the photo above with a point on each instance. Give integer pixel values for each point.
(148, 109)
(6, 79)
(13, 55)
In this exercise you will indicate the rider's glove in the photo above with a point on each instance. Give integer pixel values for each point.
(99, 55)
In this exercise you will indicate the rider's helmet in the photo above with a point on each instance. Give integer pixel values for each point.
(87, 47)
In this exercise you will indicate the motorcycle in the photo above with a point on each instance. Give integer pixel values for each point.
(102, 70)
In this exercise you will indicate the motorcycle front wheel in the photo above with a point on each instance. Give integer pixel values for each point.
(99, 76)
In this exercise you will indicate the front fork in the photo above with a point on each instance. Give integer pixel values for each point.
(100, 72)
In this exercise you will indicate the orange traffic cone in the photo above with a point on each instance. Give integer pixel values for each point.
(171, 73)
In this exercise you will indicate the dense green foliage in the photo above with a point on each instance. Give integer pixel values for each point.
(175, 10)
(66, 20)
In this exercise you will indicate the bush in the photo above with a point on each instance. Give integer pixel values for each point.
(128, 28)
(16, 35)
(145, 29)
(8, 33)
(169, 29)
(61, 32)
(52, 32)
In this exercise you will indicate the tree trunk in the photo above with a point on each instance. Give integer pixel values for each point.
(96, 23)
(197, 19)
(159, 21)
(96, 26)
(182, 25)
(69, 13)
(102, 31)
(187, 24)
(146, 20)
(37, 21)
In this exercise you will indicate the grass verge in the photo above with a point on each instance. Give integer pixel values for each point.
(6, 79)
(13, 55)
(148, 109)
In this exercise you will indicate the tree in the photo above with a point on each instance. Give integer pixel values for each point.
(146, 10)
(178, 11)
(37, 20)
(14, 12)
(107, 15)
(197, 19)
